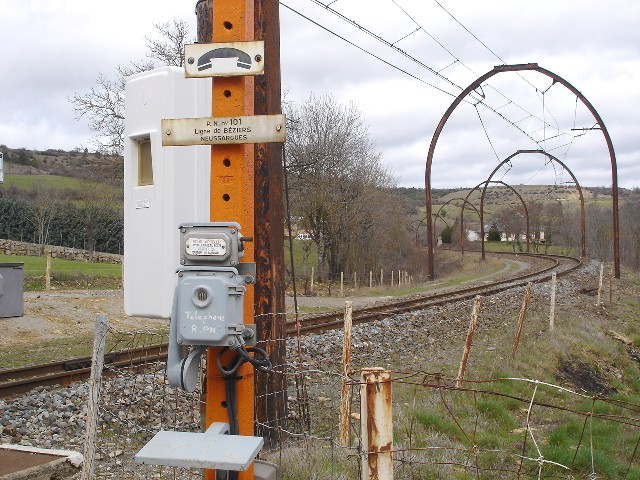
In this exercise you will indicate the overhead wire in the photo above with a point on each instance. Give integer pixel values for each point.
(364, 50)
(405, 54)
(476, 101)
(457, 60)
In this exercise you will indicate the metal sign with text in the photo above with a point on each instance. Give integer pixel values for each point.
(223, 130)
(224, 59)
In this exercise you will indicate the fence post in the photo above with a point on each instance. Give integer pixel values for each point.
(552, 310)
(346, 371)
(600, 284)
(611, 284)
(97, 363)
(370, 279)
(342, 284)
(467, 346)
(381, 277)
(47, 276)
(376, 424)
(392, 278)
(523, 311)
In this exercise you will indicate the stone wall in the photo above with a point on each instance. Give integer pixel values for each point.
(12, 247)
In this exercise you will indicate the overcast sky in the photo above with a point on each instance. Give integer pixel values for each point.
(53, 48)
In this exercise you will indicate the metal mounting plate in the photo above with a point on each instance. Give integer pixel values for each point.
(211, 449)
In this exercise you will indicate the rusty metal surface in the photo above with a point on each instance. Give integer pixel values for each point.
(376, 424)
(471, 87)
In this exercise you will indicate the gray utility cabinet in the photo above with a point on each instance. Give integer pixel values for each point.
(11, 290)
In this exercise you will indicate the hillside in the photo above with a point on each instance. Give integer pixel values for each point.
(80, 164)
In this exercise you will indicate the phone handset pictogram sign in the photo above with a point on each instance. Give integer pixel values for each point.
(205, 62)
(224, 59)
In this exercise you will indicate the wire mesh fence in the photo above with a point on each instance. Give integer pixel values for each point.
(500, 427)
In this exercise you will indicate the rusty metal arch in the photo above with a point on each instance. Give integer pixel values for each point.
(485, 183)
(451, 200)
(550, 157)
(474, 85)
(436, 216)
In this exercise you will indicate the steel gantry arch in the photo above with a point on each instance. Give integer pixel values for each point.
(556, 79)
(552, 158)
(480, 215)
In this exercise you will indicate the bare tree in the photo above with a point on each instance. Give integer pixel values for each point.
(103, 103)
(43, 208)
(339, 188)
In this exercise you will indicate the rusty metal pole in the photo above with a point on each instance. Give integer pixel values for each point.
(271, 391)
(376, 424)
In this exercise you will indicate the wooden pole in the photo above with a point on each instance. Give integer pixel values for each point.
(467, 346)
(355, 281)
(346, 371)
(523, 311)
(611, 284)
(600, 281)
(312, 275)
(269, 304)
(381, 277)
(552, 311)
(95, 379)
(47, 279)
(342, 284)
(370, 279)
(376, 424)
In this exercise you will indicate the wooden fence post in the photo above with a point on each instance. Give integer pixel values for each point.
(467, 346)
(311, 287)
(370, 279)
(376, 424)
(47, 276)
(600, 284)
(552, 310)
(346, 371)
(611, 284)
(97, 363)
(523, 311)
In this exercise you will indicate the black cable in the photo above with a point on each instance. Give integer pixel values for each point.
(260, 362)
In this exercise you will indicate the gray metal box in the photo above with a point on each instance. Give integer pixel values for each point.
(11, 290)
(209, 301)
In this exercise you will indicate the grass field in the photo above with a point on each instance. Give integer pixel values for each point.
(66, 273)
(26, 182)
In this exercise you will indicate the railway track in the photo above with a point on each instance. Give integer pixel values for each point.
(20, 380)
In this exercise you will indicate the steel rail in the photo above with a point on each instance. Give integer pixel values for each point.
(21, 380)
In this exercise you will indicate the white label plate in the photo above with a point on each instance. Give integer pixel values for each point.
(215, 247)
(221, 130)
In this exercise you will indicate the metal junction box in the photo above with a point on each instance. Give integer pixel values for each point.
(11, 290)
(209, 305)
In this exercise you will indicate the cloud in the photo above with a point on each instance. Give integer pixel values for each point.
(589, 43)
